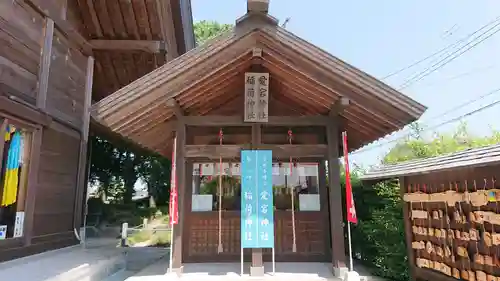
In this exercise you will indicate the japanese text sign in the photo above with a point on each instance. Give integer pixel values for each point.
(256, 97)
(257, 208)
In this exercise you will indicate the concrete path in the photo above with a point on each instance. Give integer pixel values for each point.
(69, 264)
(231, 271)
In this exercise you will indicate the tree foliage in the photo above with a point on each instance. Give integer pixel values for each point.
(379, 238)
(415, 146)
(206, 30)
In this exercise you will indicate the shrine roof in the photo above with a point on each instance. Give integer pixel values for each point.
(209, 80)
(474, 157)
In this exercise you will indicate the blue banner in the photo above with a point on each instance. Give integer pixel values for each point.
(257, 208)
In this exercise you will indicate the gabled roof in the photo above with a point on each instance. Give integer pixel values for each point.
(304, 79)
(474, 157)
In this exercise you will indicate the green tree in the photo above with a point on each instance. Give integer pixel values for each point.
(104, 166)
(156, 172)
(417, 147)
(206, 30)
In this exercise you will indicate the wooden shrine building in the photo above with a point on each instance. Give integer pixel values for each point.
(451, 204)
(56, 58)
(258, 87)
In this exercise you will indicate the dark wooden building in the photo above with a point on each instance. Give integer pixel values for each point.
(307, 98)
(56, 57)
(451, 211)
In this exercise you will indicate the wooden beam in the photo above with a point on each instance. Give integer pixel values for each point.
(44, 68)
(279, 151)
(166, 19)
(339, 106)
(36, 147)
(335, 200)
(3, 127)
(149, 46)
(408, 230)
(178, 111)
(11, 107)
(83, 155)
(256, 135)
(236, 120)
(65, 26)
(88, 98)
(323, 196)
(180, 139)
(94, 18)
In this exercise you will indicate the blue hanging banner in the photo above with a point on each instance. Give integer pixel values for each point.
(257, 208)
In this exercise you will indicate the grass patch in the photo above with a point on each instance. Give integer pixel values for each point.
(139, 236)
(165, 219)
(160, 237)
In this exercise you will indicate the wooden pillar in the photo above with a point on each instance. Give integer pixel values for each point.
(324, 206)
(36, 139)
(187, 205)
(188, 195)
(335, 200)
(82, 156)
(408, 229)
(257, 268)
(44, 69)
(32, 186)
(181, 191)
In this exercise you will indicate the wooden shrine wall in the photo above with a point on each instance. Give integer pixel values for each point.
(201, 232)
(21, 34)
(44, 82)
(452, 222)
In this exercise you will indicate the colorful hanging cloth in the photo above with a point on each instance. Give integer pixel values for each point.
(11, 182)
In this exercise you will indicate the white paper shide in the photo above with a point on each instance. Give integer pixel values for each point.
(256, 97)
(19, 224)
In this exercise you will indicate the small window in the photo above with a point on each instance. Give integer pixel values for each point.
(15, 143)
(302, 181)
(206, 187)
(299, 178)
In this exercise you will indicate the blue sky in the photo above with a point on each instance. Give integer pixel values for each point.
(380, 37)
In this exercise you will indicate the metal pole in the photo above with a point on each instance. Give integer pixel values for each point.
(350, 246)
(274, 263)
(170, 260)
(241, 269)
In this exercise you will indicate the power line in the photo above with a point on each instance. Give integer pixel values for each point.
(453, 56)
(471, 72)
(424, 59)
(432, 127)
(440, 51)
(467, 103)
(405, 131)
